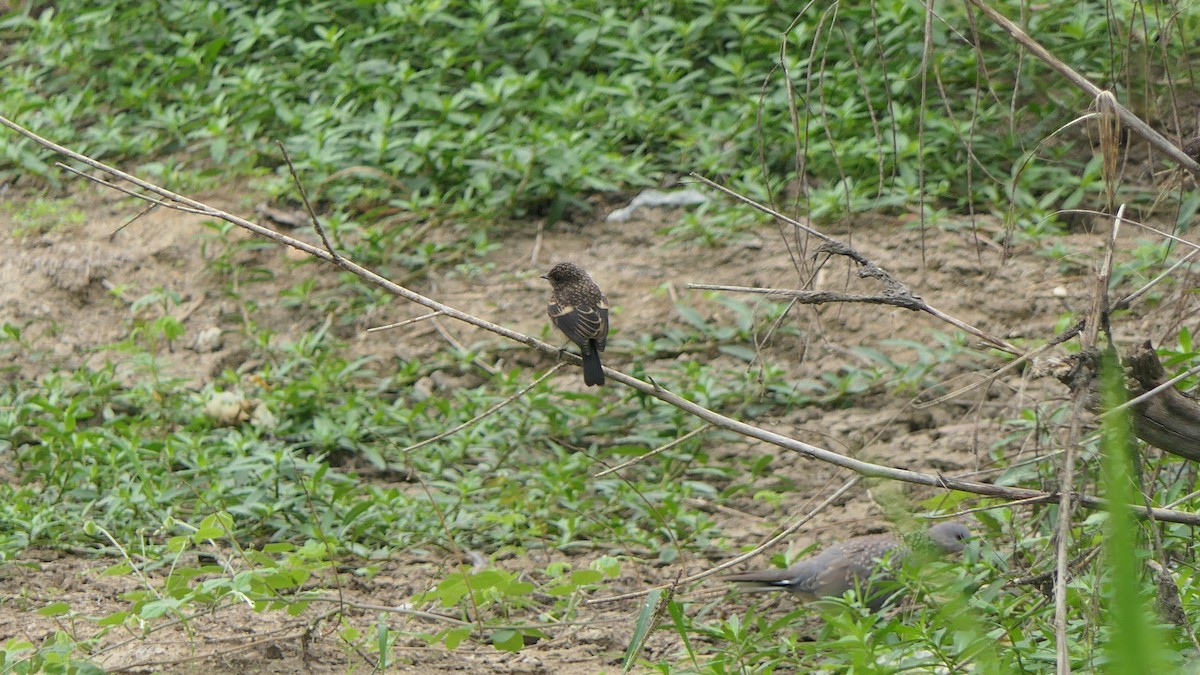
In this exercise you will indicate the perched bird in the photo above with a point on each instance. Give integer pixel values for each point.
(854, 563)
(579, 309)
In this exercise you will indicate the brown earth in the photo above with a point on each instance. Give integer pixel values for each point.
(71, 288)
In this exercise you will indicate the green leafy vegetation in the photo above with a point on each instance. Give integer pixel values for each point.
(527, 106)
(423, 128)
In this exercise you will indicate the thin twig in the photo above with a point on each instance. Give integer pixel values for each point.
(1078, 561)
(1177, 502)
(486, 413)
(816, 297)
(1126, 301)
(895, 293)
(1130, 120)
(1097, 317)
(765, 209)
(312, 215)
(458, 346)
(120, 188)
(1002, 505)
(661, 449)
(910, 302)
(1012, 365)
(400, 324)
(784, 534)
(1153, 392)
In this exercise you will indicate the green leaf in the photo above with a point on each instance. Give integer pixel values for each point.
(55, 609)
(114, 619)
(1136, 644)
(157, 608)
(741, 352)
(454, 636)
(642, 627)
(583, 577)
(508, 640)
(118, 570)
(517, 588)
(610, 566)
(691, 316)
(169, 327)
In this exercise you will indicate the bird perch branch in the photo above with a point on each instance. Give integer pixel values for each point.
(868, 469)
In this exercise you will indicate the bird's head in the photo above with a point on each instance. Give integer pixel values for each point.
(951, 536)
(564, 273)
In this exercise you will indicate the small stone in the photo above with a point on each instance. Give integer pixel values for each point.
(208, 340)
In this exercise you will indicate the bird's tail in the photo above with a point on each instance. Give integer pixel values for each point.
(593, 372)
(763, 580)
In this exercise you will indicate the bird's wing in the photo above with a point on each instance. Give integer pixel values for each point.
(856, 562)
(581, 323)
(602, 331)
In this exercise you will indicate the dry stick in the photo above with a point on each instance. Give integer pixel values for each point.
(125, 190)
(401, 324)
(661, 449)
(1027, 356)
(926, 51)
(312, 214)
(903, 297)
(1078, 561)
(1127, 300)
(188, 205)
(481, 416)
(155, 665)
(785, 533)
(993, 507)
(765, 209)
(1153, 392)
(439, 618)
(651, 389)
(910, 302)
(1096, 316)
(458, 346)
(1130, 120)
(907, 302)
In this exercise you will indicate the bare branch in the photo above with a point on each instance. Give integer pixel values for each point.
(400, 324)
(659, 450)
(312, 215)
(486, 413)
(895, 292)
(783, 534)
(1127, 117)
(650, 388)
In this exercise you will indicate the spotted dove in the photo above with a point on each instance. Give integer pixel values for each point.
(849, 564)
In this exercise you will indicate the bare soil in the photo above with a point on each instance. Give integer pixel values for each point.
(71, 290)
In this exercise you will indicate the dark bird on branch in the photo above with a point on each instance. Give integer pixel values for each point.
(580, 310)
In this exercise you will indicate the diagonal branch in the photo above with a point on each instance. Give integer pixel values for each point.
(895, 292)
(1127, 117)
(649, 388)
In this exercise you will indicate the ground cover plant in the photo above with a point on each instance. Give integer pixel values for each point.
(199, 434)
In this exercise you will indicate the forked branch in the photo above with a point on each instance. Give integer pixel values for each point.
(175, 201)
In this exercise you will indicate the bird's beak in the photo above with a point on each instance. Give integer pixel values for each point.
(547, 278)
